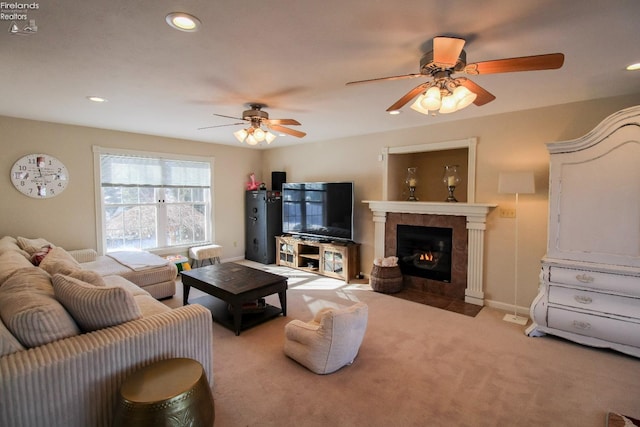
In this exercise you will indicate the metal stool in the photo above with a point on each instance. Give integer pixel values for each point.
(168, 393)
(198, 254)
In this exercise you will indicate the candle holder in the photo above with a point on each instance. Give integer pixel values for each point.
(412, 182)
(451, 179)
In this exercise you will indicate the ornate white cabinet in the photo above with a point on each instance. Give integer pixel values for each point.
(590, 277)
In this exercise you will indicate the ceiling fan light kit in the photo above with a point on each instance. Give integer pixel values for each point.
(254, 135)
(446, 96)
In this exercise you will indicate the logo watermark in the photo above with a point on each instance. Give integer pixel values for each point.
(17, 15)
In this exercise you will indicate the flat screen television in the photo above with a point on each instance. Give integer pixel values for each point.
(322, 210)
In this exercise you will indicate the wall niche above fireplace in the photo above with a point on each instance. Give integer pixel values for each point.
(430, 160)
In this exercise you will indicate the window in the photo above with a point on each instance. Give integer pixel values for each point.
(153, 201)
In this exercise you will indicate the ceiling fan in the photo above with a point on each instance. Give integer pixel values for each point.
(256, 118)
(446, 94)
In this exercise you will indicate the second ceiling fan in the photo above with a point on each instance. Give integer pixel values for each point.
(256, 117)
(446, 94)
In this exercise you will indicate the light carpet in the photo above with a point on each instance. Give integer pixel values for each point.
(417, 366)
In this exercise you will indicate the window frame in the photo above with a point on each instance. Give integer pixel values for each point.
(99, 206)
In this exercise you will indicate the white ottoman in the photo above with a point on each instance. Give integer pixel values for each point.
(198, 254)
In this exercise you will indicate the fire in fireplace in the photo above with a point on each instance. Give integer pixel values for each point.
(425, 251)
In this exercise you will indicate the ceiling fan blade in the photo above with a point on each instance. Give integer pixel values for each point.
(228, 117)
(219, 126)
(288, 131)
(408, 96)
(549, 61)
(446, 51)
(281, 122)
(483, 97)
(404, 76)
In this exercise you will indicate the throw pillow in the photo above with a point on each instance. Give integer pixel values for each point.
(32, 245)
(59, 261)
(88, 276)
(29, 310)
(8, 243)
(95, 307)
(8, 343)
(10, 262)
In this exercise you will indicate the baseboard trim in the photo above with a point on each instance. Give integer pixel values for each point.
(509, 308)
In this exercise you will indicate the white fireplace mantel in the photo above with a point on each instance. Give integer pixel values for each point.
(476, 215)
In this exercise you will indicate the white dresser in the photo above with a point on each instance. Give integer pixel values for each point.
(590, 277)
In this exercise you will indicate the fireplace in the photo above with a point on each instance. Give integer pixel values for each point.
(468, 221)
(425, 251)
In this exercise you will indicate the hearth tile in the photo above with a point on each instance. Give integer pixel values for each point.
(438, 301)
(464, 308)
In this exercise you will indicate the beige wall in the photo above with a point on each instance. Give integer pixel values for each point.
(506, 142)
(68, 220)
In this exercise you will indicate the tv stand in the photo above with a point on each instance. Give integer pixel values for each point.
(340, 260)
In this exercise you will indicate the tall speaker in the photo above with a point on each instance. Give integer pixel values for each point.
(263, 222)
(277, 179)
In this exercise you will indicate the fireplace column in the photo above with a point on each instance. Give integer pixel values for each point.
(379, 220)
(475, 234)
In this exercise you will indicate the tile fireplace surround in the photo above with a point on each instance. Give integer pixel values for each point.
(413, 213)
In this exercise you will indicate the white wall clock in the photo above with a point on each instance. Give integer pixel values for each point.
(39, 176)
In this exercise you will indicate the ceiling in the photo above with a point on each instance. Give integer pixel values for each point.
(296, 56)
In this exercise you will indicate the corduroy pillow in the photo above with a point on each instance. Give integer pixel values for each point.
(11, 261)
(88, 276)
(8, 343)
(8, 243)
(29, 310)
(95, 307)
(59, 261)
(32, 245)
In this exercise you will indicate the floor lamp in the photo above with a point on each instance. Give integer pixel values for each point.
(516, 183)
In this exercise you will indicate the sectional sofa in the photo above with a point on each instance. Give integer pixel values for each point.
(69, 336)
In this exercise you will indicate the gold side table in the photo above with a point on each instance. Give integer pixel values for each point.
(168, 393)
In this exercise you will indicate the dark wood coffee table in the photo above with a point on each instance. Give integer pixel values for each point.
(231, 285)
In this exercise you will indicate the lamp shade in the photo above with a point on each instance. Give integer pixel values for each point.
(417, 105)
(516, 183)
(240, 134)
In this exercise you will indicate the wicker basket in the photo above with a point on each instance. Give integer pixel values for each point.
(387, 280)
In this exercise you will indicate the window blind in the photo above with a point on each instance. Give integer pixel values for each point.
(140, 171)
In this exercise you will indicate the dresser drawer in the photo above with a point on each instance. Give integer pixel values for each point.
(596, 301)
(605, 328)
(618, 283)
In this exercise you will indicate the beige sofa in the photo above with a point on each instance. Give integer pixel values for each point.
(159, 280)
(69, 337)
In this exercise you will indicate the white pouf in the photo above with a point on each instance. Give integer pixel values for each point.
(198, 254)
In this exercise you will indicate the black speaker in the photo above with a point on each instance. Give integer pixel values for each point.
(277, 178)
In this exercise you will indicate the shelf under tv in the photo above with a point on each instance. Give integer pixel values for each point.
(339, 260)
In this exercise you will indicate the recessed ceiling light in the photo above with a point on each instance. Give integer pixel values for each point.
(394, 112)
(634, 67)
(183, 21)
(96, 99)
